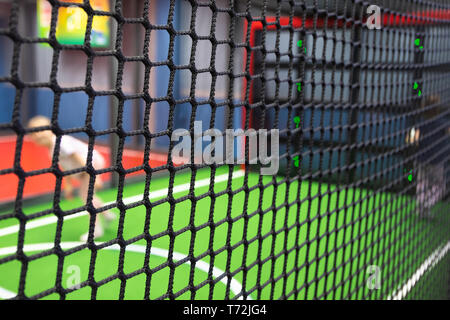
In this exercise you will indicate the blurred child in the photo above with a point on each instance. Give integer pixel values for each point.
(73, 154)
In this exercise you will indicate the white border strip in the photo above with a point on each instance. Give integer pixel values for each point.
(235, 286)
(428, 264)
(153, 195)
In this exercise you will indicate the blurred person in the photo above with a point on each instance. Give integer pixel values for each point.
(431, 171)
(73, 155)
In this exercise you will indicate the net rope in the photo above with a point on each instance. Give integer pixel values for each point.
(360, 194)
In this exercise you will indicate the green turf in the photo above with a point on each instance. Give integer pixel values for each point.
(380, 229)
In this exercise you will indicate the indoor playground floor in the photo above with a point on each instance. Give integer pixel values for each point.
(337, 230)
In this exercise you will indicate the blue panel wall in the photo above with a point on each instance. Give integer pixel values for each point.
(7, 94)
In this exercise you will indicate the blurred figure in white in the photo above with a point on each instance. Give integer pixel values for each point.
(73, 154)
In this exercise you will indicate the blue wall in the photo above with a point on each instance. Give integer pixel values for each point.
(7, 92)
(73, 106)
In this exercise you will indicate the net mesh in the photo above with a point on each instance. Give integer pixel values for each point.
(359, 208)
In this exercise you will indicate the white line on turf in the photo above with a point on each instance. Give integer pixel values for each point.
(153, 195)
(235, 286)
(6, 294)
(427, 265)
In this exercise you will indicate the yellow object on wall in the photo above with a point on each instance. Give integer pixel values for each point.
(72, 23)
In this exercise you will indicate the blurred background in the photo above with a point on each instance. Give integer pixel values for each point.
(108, 73)
(360, 96)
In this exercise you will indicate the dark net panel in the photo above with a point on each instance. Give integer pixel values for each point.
(349, 212)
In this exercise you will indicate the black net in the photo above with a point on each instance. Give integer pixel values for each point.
(358, 208)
